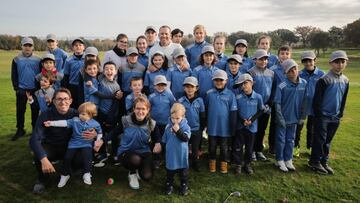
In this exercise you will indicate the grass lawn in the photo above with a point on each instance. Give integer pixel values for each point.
(268, 184)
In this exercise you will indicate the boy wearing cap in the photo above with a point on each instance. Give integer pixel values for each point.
(194, 50)
(72, 68)
(150, 34)
(205, 71)
(329, 103)
(311, 73)
(195, 114)
(240, 48)
(289, 104)
(60, 54)
(221, 110)
(249, 103)
(24, 68)
(219, 46)
(48, 63)
(263, 82)
(233, 70)
(177, 74)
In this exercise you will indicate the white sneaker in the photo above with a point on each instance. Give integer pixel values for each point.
(282, 166)
(133, 181)
(289, 165)
(63, 181)
(87, 178)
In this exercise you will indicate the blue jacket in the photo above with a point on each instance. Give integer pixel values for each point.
(273, 59)
(144, 59)
(127, 72)
(248, 106)
(60, 59)
(161, 104)
(193, 111)
(89, 92)
(177, 150)
(222, 61)
(247, 64)
(193, 53)
(204, 76)
(72, 68)
(79, 126)
(330, 95)
(150, 77)
(231, 81)
(177, 77)
(23, 71)
(263, 81)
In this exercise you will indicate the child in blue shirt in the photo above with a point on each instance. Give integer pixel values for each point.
(159, 61)
(60, 54)
(328, 104)
(289, 104)
(311, 73)
(221, 110)
(195, 115)
(219, 47)
(176, 136)
(194, 50)
(77, 143)
(136, 86)
(264, 42)
(91, 83)
(24, 68)
(249, 104)
(233, 70)
(240, 48)
(176, 74)
(205, 71)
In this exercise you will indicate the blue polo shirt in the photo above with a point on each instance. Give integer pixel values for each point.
(90, 90)
(161, 104)
(231, 81)
(79, 126)
(129, 101)
(193, 53)
(144, 59)
(222, 61)
(60, 58)
(218, 105)
(177, 151)
(150, 77)
(263, 81)
(311, 80)
(176, 76)
(290, 96)
(72, 68)
(24, 70)
(204, 76)
(248, 106)
(193, 110)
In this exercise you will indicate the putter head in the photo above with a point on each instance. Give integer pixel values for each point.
(236, 194)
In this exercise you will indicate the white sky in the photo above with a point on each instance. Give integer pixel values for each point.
(107, 18)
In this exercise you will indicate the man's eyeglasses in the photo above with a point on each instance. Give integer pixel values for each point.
(62, 100)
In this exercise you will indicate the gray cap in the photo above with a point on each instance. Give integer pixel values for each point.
(48, 56)
(91, 51)
(207, 48)
(288, 64)
(338, 55)
(27, 40)
(132, 50)
(160, 79)
(235, 57)
(51, 36)
(77, 39)
(241, 41)
(308, 55)
(178, 52)
(150, 27)
(242, 78)
(260, 53)
(220, 74)
(191, 81)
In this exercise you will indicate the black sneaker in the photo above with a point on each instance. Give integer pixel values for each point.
(99, 160)
(39, 188)
(116, 161)
(184, 189)
(317, 167)
(247, 169)
(157, 164)
(328, 168)
(19, 133)
(169, 189)
(237, 169)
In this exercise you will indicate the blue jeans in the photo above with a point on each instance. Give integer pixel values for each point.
(285, 142)
(325, 129)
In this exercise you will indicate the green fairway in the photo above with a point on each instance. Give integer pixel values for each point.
(268, 184)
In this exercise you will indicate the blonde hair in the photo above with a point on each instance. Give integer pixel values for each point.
(263, 37)
(177, 107)
(199, 27)
(89, 108)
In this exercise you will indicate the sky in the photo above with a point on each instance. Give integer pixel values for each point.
(107, 18)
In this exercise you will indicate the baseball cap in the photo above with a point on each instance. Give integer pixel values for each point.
(288, 64)
(27, 40)
(132, 50)
(241, 41)
(220, 74)
(191, 81)
(77, 39)
(338, 55)
(308, 55)
(51, 36)
(260, 53)
(48, 56)
(160, 79)
(235, 57)
(91, 51)
(178, 52)
(242, 78)
(207, 48)
(150, 27)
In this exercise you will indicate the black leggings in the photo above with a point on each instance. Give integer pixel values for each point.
(86, 157)
(21, 100)
(259, 138)
(243, 138)
(142, 162)
(195, 142)
(213, 142)
(183, 173)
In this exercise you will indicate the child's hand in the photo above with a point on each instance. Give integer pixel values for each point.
(29, 97)
(98, 144)
(119, 94)
(48, 100)
(157, 148)
(47, 123)
(184, 66)
(89, 83)
(152, 68)
(247, 122)
(175, 127)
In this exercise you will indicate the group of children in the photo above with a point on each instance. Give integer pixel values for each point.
(232, 97)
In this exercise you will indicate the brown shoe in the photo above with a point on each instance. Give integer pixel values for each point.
(223, 167)
(212, 166)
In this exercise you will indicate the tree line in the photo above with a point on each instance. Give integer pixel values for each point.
(301, 36)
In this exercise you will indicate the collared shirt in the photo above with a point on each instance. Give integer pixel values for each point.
(222, 61)
(248, 106)
(176, 76)
(193, 110)
(263, 81)
(72, 68)
(231, 81)
(193, 53)
(204, 76)
(161, 104)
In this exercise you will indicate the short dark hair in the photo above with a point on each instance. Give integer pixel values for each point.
(177, 31)
(284, 48)
(121, 36)
(109, 63)
(136, 78)
(62, 90)
(201, 59)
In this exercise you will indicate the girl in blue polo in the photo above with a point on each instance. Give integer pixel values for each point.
(233, 70)
(160, 62)
(240, 48)
(195, 115)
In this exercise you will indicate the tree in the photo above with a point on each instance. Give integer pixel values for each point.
(303, 32)
(352, 33)
(336, 35)
(319, 40)
(287, 36)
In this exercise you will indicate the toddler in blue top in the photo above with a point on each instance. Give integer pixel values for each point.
(77, 143)
(176, 136)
